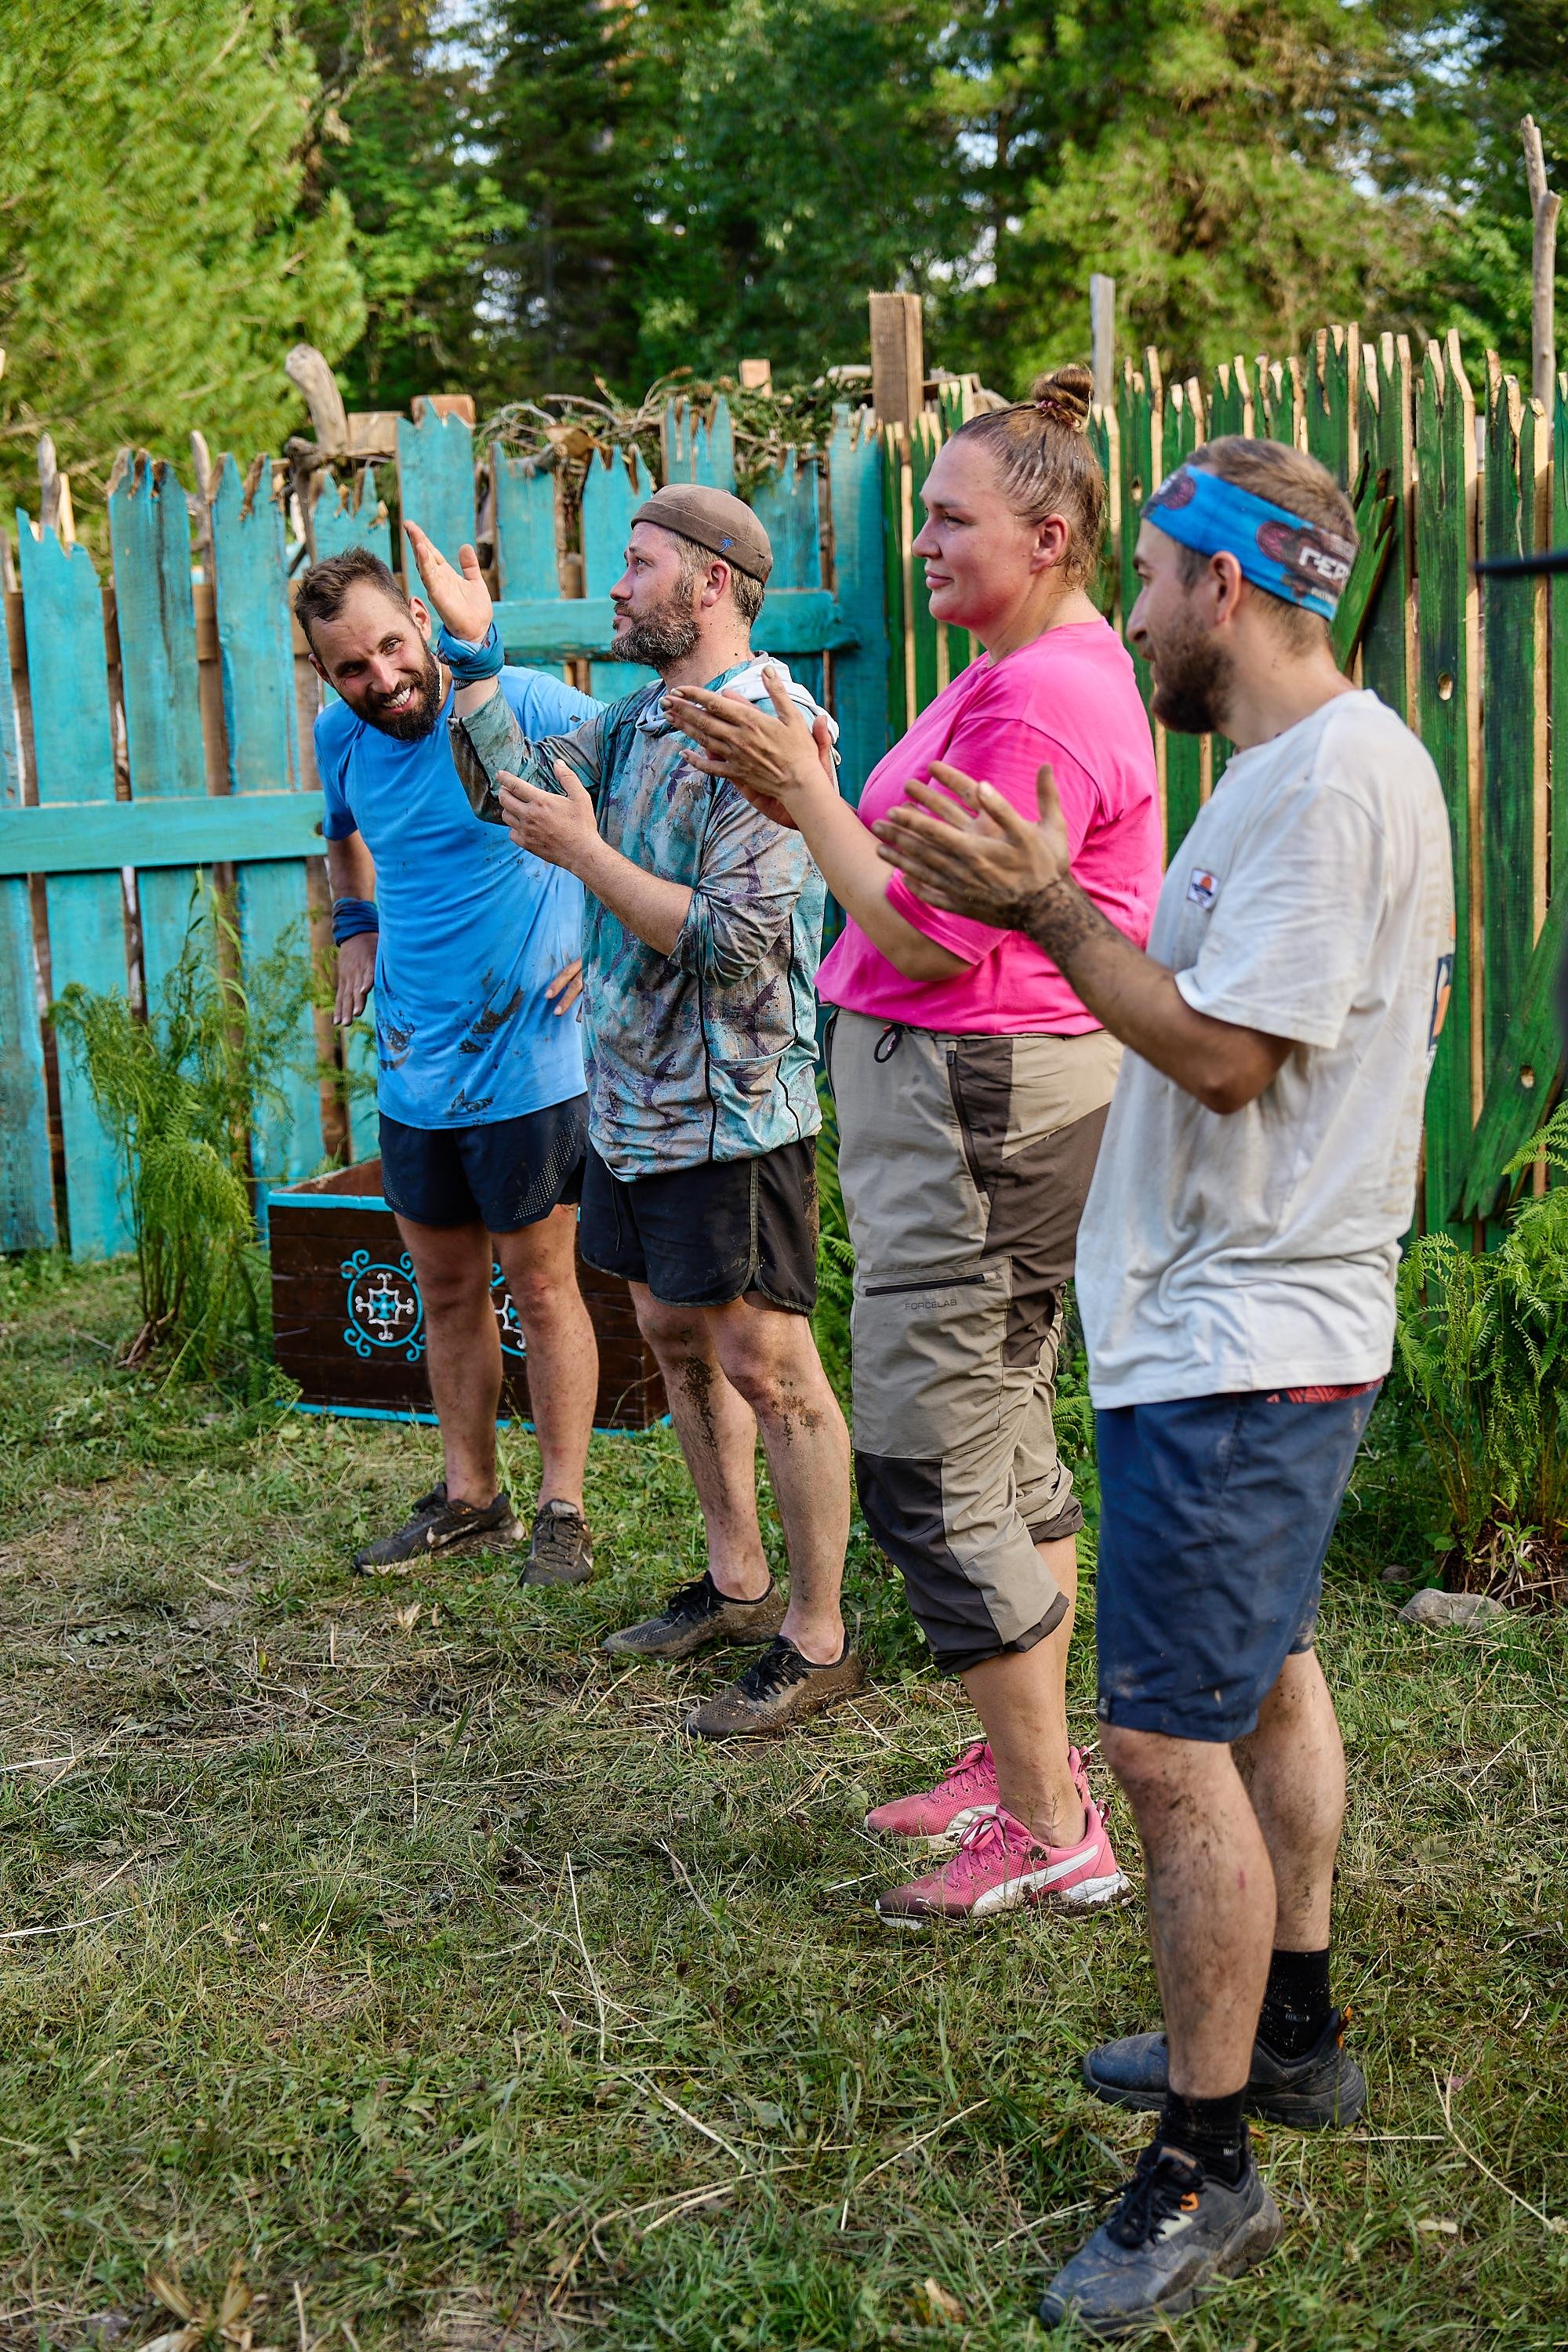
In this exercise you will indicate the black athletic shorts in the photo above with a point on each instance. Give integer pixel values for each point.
(511, 1173)
(702, 1236)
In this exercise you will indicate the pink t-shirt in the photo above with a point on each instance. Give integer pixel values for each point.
(1067, 697)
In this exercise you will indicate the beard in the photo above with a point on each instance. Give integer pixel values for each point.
(1191, 692)
(415, 718)
(662, 637)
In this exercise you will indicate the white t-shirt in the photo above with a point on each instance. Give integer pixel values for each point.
(1314, 899)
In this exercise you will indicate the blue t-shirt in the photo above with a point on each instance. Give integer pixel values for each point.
(473, 929)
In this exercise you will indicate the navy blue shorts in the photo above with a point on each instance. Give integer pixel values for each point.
(504, 1176)
(1215, 1515)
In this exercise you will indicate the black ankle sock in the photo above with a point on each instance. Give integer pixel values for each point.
(1214, 2130)
(1296, 2005)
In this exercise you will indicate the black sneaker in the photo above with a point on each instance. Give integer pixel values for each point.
(562, 1549)
(1174, 2234)
(695, 1615)
(1309, 2094)
(782, 1688)
(436, 1525)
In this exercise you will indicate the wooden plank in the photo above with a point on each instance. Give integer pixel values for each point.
(859, 671)
(924, 443)
(1277, 402)
(435, 485)
(255, 656)
(788, 505)
(800, 621)
(1137, 401)
(1447, 690)
(1229, 400)
(1186, 767)
(58, 840)
(1333, 389)
(1522, 1082)
(616, 486)
(26, 1185)
(150, 534)
(898, 359)
(1508, 638)
(348, 515)
(896, 581)
(1557, 627)
(700, 449)
(527, 557)
(1386, 431)
(73, 756)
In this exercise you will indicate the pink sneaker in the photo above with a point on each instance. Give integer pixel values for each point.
(999, 1866)
(938, 1816)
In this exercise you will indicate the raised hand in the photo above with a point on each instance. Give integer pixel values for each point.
(980, 857)
(459, 598)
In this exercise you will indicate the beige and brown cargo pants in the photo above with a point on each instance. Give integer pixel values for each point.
(966, 1162)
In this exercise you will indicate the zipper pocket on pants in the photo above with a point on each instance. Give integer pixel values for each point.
(936, 1282)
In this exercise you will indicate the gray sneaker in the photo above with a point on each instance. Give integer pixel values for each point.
(436, 1525)
(695, 1615)
(562, 1549)
(1174, 2234)
(1312, 2093)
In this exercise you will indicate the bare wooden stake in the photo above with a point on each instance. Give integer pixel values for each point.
(898, 359)
(307, 368)
(1102, 337)
(757, 375)
(1544, 208)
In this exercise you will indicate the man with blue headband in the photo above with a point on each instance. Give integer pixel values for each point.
(1236, 1272)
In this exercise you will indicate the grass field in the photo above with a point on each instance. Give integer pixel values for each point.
(408, 1958)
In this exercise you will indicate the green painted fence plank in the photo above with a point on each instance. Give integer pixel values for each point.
(799, 621)
(1227, 399)
(859, 675)
(67, 676)
(524, 503)
(924, 444)
(1387, 425)
(1557, 630)
(1509, 654)
(616, 486)
(104, 835)
(350, 514)
(1520, 1088)
(150, 534)
(27, 1185)
(1446, 685)
(1332, 388)
(894, 579)
(700, 449)
(1182, 431)
(789, 506)
(435, 485)
(1139, 462)
(1277, 399)
(256, 657)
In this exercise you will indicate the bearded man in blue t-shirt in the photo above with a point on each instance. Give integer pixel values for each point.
(473, 947)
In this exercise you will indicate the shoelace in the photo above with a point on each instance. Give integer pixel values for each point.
(428, 1507)
(697, 1599)
(1162, 2185)
(969, 1772)
(557, 1535)
(780, 1664)
(985, 1841)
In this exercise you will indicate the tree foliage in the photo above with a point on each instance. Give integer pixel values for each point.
(155, 257)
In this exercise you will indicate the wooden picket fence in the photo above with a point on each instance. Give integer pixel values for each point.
(1478, 667)
(157, 726)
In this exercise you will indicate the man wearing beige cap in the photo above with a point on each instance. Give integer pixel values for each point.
(699, 958)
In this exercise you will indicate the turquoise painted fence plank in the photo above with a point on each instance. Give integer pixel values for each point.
(26, 1188)
(56, 840)
(789, 506)
(698, 448)
(615, 489)
(800, 621)
(435, 485)
(256, 655)
(73, 748)
(859, 677)
(150, 534)
(526, 561)
(350, 514)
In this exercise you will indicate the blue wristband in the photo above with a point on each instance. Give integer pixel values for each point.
(353, 916)
(468, 664)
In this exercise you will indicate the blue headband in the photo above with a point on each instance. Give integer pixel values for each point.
(1298, 560)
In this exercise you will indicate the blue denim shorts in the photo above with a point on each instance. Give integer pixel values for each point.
(1215, 1515)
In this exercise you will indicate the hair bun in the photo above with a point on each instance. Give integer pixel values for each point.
(1063, 395)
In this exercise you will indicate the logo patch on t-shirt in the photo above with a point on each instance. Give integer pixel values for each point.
(1203, 887)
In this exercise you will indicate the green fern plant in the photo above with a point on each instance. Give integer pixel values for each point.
(179, 1093)
(1483, 1348)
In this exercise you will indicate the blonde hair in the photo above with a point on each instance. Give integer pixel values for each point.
(1048, 465)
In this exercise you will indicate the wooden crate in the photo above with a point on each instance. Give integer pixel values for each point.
(348, 1323)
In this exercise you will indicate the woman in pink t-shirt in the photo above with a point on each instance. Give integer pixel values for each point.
(972, 1087)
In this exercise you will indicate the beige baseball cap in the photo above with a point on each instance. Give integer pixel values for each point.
(714, 519)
